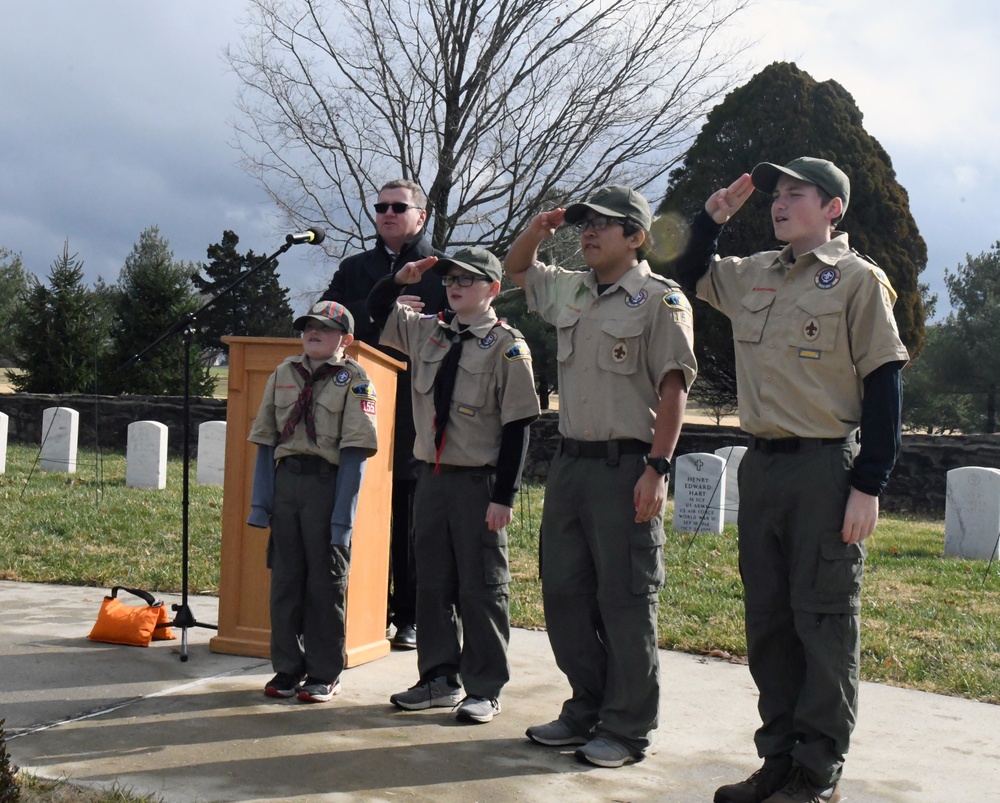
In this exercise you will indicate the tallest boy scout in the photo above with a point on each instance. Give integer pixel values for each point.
(625, 365)
(818, 357)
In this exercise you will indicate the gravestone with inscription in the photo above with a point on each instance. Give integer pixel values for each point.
(146, 455)
(699, 493)
(4, 425)
(972, 513)
(732, 455)
(60, 433)
(211, 453)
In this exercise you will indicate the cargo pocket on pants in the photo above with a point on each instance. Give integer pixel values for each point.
(646, 552)
(496, 569)
(840, 570)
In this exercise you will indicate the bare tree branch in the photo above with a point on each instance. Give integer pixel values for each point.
(499, 108)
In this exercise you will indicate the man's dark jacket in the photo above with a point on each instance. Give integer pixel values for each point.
(351, 285)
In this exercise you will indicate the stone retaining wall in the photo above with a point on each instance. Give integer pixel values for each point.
(917, 485)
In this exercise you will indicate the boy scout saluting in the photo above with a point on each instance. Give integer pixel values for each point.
(314, 430)
(473, 400)
(818, 356)
(626, 363)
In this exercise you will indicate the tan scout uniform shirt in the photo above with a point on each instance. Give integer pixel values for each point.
(493, 387)
(807, 333)
(343, 406)
(613, 350)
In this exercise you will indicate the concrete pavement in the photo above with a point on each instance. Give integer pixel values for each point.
(202, 731)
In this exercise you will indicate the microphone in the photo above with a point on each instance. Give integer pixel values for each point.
(313, 236)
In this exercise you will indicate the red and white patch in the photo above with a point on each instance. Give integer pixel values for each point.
(368, 406)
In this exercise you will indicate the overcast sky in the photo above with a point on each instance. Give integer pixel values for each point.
(117, 116)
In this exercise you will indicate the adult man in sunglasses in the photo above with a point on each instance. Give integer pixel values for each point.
(400, 215)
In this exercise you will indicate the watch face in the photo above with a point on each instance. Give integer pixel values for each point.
(660, 465)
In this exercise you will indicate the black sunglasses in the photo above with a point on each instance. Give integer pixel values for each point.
(396, 206)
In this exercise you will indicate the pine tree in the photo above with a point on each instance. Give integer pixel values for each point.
(258, 307)
(59, 332)
(780, 114)
(152, 295)
(13, 287)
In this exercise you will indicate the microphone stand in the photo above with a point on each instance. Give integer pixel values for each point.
(184, 618)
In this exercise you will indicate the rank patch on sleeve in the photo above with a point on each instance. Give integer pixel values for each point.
(677, 301)
(518, 351)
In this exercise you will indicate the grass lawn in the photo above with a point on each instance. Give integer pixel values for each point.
(928, 622)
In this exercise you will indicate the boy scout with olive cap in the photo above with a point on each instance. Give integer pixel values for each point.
(626, 362)
(473, 401)
(314, 430)
(818, 358)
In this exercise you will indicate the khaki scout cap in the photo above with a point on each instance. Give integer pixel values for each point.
(475, 260)
(330, 314)
(616, 202)
(825, 175)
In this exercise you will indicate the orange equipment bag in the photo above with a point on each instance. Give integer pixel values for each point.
(118, 623)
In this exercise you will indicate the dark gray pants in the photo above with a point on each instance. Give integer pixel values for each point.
(308, 577)
(463, 624)
(600, 576)
(802, 599)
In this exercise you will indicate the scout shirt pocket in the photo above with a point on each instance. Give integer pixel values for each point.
(328, 410)
(748, 325)
(621, 342)
(815, 322)
(565, 332)
(427, 363)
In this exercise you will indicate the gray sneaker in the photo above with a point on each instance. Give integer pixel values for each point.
(477, 709)
(602, 752)
(555, 734)
(428, 694)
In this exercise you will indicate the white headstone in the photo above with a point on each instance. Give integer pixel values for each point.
(211, 453)
(972, 513)
(699, 491)
(732, 455)
(146, 455)
(4, 424)
(60, 432)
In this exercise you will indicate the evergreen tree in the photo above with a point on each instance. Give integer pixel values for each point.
(780, 114)
(257, 307)
(58, 333)
(13, 287)
(154, 293)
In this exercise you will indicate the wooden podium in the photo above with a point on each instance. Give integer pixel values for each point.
(245, 582)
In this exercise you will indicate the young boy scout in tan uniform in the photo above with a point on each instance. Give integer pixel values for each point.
(626, 362)
(818, 356)
(473, 401)
(314, 430)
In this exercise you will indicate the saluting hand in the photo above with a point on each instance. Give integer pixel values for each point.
(545, 224)
(724, 203)
(411, 272)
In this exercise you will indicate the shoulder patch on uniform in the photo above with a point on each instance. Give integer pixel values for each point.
(677, 301)
(637, 300)
(342, 377)
(364, 390)
(883, 280)
(489, 340)
(518, 350)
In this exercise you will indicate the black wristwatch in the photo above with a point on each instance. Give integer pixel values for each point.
(661, 465)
